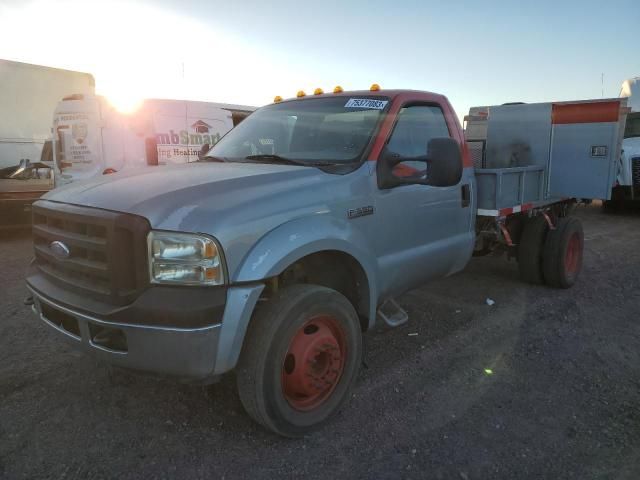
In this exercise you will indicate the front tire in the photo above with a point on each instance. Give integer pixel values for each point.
(300, 359)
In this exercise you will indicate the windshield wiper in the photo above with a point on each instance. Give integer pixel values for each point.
(211, 158)
(272, 158)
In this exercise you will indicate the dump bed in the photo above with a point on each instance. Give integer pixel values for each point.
(529, 155)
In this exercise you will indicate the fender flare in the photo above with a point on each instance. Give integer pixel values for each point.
(291, 241)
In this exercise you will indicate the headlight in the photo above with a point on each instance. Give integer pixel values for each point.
(184, 258)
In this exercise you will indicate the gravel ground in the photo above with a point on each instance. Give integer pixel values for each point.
(562, 401)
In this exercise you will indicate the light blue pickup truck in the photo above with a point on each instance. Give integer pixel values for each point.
(293, 235)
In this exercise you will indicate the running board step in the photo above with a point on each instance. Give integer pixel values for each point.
(392, 313)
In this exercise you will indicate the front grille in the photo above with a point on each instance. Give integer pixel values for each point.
(635, 171)
(107, 250)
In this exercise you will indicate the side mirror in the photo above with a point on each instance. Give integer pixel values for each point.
(392, 170)
(445, 162)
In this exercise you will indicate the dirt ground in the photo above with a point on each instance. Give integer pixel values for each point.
(543, 384)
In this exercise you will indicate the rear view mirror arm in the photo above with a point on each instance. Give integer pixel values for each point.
(388, 161)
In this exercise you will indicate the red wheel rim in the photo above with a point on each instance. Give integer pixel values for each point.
(314, 363)
(573, 254)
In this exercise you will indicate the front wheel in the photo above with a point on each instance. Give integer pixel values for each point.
(300, 359)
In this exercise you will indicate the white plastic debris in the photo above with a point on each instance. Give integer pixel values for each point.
(490, 302)
(412, 334)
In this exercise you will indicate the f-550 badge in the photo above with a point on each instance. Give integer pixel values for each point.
(360, 211)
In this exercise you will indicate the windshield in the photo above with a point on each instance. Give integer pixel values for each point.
(632, 128)
(329, 130)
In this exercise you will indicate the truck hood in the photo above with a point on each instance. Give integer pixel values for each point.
(237, 203)
(188, 197)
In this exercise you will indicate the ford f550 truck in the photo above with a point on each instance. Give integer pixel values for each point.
(294, 234)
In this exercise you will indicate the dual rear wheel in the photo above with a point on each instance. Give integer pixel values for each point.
(551, 256)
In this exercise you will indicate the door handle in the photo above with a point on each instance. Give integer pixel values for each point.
(466, 195)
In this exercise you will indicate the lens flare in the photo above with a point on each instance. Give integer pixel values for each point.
(124, 101)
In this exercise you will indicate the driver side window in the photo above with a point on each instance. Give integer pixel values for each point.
(415, 127)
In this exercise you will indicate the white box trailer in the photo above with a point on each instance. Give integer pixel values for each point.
(92, 138)
(28, 95)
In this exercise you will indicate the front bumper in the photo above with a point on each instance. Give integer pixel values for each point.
(192, 353)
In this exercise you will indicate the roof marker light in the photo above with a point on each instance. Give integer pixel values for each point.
(300, 93)
(375, 87)
(318, 91)
(277, 99)
(338, 89)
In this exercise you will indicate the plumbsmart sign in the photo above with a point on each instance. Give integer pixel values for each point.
(185, 146)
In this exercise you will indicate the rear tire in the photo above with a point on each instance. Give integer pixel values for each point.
(300, 359)
(531, 249)
(563, 253)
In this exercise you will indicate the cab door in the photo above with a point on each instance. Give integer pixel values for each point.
(424, 231)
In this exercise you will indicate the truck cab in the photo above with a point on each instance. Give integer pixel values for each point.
(630, 173)
(627, 187)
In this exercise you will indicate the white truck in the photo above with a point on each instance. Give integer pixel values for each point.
(627, 187)
(28, 95)
(92, 138)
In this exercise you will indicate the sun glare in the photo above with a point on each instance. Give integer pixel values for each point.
(124, 101)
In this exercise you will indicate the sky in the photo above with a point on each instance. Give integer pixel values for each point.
(246, 52)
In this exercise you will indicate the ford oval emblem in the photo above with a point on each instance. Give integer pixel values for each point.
(59, 250)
